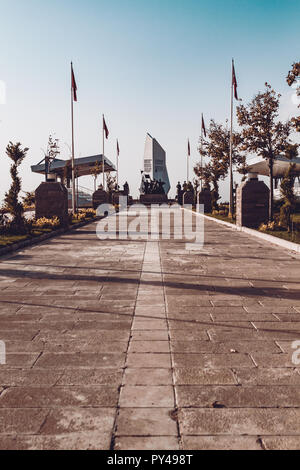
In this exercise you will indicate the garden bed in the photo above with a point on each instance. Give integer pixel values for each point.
(9, 243)
(284, 235)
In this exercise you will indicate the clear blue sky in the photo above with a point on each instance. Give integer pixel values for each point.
(150, 66)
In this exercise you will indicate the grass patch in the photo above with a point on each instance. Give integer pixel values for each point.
(284, 235)
(222, 217)
(7, 240)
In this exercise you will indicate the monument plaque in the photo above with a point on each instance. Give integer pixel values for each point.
(252, 202)
(52, 201)
(100, 197)
(188, 198)
(204, 197)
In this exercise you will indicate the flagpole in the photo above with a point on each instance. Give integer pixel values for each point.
(73, 157)
(201, 148)
(103, 162)
(117, 164)
(231, 150)
(188, 165)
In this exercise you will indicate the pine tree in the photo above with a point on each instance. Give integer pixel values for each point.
(14, 206)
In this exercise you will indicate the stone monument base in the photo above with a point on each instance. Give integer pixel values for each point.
(51, 200)
(204, 197)
(100, 197)
(252, 205)
(148, 199)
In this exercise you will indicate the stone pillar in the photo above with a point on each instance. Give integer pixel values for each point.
(100, 197)
(188, 198)
(204, 197)
(51, 200)
(252, 205)
(180, 197)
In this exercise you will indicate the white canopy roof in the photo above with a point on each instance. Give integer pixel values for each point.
(260, 165)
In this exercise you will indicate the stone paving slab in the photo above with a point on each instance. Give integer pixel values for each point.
(146, 422)
(145, 345)
(220, 443)
(257, 421)
(147, 443)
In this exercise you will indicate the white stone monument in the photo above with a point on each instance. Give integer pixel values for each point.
(155, 167)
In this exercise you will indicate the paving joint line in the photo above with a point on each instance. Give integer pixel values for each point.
(124, 368)
(176, 409)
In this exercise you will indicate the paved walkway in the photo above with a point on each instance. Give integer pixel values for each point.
(145, 345)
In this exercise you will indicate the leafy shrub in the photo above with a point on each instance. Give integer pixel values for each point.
(82, 215)
(45, 223)
(274, 226)
(90, 213)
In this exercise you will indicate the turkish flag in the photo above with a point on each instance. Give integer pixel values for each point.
(74, 86)
(189, 149)
(118, 148)
(203, 127)
(105, 128)
(234, 82)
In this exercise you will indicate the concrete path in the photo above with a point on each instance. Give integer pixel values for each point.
(145, 345)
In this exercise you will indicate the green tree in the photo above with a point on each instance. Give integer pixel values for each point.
(203, 173)
(289, 199)
(14, 206)
(216, 147)
(292, 78)
(263, 134)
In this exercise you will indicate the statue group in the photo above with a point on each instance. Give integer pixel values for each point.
(185, 189)
(150, 186)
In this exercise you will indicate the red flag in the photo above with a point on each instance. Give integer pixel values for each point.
(74, 86)
(203, 126)
(189, 149)
(234, 82)
(118, 148)
(105, 128)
